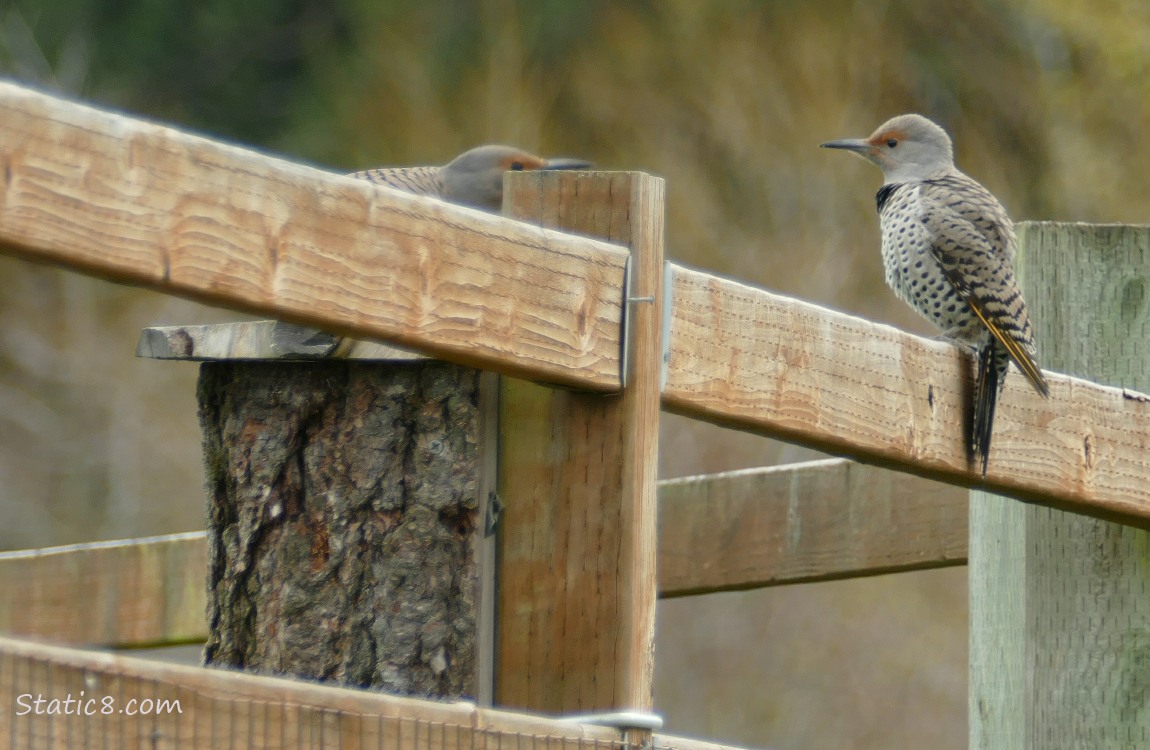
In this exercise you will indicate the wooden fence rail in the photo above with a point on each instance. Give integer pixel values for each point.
(136, 202)
(813, 521)
(165, 706)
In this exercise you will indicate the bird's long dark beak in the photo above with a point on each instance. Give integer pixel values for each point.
(849, 144)
(567, 164)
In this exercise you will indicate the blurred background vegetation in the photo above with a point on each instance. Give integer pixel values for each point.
(1047, 100)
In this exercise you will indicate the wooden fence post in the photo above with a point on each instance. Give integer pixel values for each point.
(1060, 603)
(576, 610)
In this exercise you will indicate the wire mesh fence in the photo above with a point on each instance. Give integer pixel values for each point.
(53, 697)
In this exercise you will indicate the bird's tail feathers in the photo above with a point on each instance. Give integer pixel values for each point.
(1027, 365)
(1022, 358)
(986, 389)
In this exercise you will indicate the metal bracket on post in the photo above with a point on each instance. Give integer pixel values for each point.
(668, 299)
(625, 327)
(626, 722)
(621, 720)
(492, 511)
(628, 300)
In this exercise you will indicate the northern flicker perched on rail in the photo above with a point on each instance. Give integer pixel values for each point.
(474, 178)
(948, 249)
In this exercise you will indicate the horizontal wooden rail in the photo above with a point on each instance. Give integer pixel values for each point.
(136, 202)
(159, 705)
(764, 527)
(814, 521)
(134, 592)
(214, 708)
(756, 361)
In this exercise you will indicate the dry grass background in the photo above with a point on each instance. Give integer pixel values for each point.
(1047, 100)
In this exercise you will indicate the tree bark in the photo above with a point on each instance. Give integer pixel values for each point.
(343, 509)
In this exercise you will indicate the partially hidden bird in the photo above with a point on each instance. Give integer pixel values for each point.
(474, 178)
(948, 248)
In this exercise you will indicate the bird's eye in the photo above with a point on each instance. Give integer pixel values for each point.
(891, 142)
(517, 166)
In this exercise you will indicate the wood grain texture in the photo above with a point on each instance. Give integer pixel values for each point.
(1060, 603)
(640, 407)
(998, 665)
(127, 593)
(756, 361)
(223, 709)
(144, 204)
(814, 521)
(577, 477)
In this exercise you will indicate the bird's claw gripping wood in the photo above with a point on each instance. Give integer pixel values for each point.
(947, 249)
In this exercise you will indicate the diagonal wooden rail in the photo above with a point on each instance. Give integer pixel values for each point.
(144, 204)
(136, 202)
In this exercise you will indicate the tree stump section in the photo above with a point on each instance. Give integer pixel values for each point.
(344, 511)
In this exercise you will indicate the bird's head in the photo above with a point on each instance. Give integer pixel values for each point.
(907, 148)
(475, 177)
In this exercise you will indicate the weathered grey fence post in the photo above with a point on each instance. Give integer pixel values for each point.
(343, 520)
(1060, 603)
